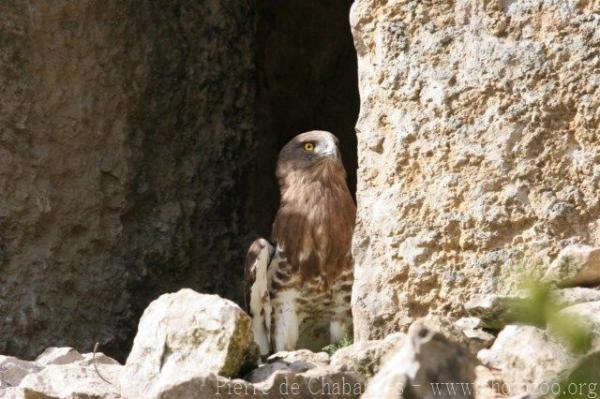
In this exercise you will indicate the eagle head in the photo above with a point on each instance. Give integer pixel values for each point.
(311, 149)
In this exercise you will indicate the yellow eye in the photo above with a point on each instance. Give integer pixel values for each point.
(309, 147)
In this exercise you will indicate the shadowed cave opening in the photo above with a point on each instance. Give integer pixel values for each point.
(307, 80)
(150, 136)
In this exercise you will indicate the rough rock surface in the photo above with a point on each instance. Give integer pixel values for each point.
(111, 114)
(13, 370)
(183, 335)
(575, 265)
(295, 362)
(185, 374)
(588, 314)
(60, 373)
(366, 357)
(79, 379)
(321, 382)
(478, 148)
(477, 337)
(424, 363)
(525, 357)
(298, 375)
(54, 355)
(574, 295)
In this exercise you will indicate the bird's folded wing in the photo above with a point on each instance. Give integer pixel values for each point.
(257, 299)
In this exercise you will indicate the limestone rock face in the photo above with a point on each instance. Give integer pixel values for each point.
(110, 117)
(478, 148)
(184, 335)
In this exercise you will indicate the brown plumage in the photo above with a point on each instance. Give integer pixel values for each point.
(316, 213)
(308, 276)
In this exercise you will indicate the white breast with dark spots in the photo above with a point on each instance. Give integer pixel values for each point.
(314, 298)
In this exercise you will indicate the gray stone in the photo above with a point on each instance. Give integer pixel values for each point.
(13, 370)
(575, 265)
(574, 295)
(426, 358)
(76, 380)
(314, 383)
(477, 337)
(366, 357)
(291, 362)
(184, 335)
(526, 357)
(56, 355)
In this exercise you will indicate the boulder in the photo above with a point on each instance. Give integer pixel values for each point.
(290, 362)
(81, 377)
(588, 314)
(572, 296)
(184, 335)
(477, 337)
(320, 382)
(493, 311)
(365, 357)
(525, 357)
(13, 370)
(422, 367)
(58, 355)
(575, 265)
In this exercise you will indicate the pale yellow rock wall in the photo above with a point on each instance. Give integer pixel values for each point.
(478, 143)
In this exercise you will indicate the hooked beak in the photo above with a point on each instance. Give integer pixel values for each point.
(333, 151)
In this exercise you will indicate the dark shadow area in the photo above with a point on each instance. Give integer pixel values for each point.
(307, 80)
(138, 143)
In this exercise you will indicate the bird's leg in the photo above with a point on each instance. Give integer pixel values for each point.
(260, 334)
(339, 327)
(286, 321)
(340, 324)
